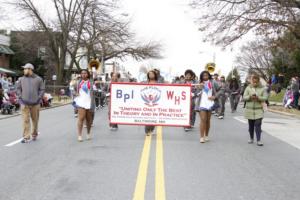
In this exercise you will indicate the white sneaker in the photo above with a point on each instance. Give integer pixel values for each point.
(88, 136)
(259, 143)
(221, 117)
(251, 141)
(206, 139)
(202, 140)
(187, 129)
(80, 139)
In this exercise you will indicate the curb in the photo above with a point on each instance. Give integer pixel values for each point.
(47, 108)
(282, 113)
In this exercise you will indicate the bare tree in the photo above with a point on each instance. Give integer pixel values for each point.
(256, 57)
(78, 36)
(108, 36)
(60, 30)
(226, 21)
(87, 23)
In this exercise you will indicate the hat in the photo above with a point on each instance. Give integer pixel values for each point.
(28, 66)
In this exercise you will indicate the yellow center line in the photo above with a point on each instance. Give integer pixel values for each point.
(160, 193)
(139, 193)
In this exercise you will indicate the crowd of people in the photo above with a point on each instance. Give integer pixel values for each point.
(8, 97)
(209, 95)
(9, 100)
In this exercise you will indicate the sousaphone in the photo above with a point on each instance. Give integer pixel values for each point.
(210, 67)
(94, 66)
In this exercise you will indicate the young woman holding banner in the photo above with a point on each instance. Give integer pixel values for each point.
(189, 76)
(204, 104)
(152, 78)
(115, 77)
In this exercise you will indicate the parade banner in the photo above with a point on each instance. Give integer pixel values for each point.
(150, 104)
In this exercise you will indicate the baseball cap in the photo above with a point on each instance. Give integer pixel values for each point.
(28, 66)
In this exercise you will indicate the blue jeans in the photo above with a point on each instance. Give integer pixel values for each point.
(255, 125)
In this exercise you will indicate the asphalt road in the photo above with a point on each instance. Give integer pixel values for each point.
(171, 164)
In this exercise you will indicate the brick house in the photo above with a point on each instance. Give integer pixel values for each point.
(5, 53)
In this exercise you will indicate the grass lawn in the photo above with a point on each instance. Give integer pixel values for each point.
(277, 97)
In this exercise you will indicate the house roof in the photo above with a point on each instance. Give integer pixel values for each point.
(6, 50)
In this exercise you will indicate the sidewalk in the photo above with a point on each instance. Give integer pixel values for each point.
(278, 108)
(54, 105)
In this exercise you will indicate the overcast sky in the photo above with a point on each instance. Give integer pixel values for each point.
(171, 23)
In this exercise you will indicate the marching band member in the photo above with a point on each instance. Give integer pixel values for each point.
(85, 104)
(204, 104)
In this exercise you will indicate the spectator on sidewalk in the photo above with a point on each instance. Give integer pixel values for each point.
(268, 89)
(295, 90)
(280, 83)
(4, 82)
(255, 94)
(1, 94)
(11, 84)
(274, 79)
(30, 90)
(288, 98)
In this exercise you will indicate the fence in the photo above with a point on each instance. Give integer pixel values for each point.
(60, 93)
